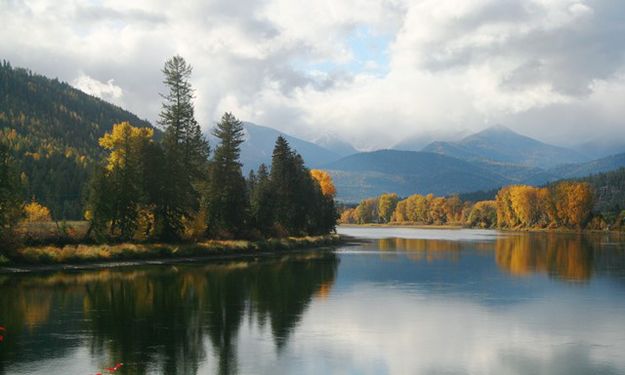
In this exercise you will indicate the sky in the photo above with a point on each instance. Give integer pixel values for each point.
(370, 72)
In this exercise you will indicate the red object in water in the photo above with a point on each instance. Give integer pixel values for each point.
(2, 328)
(1, 338)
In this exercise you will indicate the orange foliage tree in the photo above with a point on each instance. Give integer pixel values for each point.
(325, 181)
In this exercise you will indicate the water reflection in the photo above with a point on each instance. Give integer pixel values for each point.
(487, 303)
(156, 319)
(570, 257)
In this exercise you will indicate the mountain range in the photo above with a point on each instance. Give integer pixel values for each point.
(490, 159)
(54, 129)
(501, 144)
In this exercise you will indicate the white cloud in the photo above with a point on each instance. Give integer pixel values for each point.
(452, 65)
(104, 90)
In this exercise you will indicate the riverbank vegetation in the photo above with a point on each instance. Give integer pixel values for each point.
(178, 189)
(90, 253)
(562, 205)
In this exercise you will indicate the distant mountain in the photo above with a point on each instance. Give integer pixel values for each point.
(419, 142)
(54, 131)
(335, 144)
(259, 143)
(601, 149)
(407, 172)
(606, 164)
(501, 144)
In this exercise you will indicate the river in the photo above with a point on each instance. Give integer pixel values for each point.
(404, 301)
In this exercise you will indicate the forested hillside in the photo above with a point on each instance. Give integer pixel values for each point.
(54, 129)
(609, 188)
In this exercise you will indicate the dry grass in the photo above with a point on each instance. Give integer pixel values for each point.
(52, 232)
(83, 253)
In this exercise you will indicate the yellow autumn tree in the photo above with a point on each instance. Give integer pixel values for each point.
(35, 212)
(126, 145)
(386, 206)
(348, 216)
(399, 215)
(483, 214)
(574, 202)
(122, 141)
(325, 181)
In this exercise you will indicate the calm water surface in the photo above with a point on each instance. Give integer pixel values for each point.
(405, 301)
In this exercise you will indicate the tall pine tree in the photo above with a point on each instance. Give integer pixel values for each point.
(226, 199)
(185, 151)
(299, 206)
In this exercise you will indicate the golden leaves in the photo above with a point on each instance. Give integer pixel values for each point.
(36, 212)
(325, 181)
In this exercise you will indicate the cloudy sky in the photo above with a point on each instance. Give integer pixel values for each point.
(373, 72)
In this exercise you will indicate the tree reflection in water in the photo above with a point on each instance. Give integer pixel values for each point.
(157, 318)
(570, 257)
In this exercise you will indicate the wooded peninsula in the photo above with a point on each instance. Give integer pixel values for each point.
(177, 188)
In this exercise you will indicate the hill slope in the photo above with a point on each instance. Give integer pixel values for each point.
(501, 144)
(407, 172)
(54, 130)
(606, 164)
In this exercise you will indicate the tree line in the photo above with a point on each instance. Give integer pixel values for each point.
(566, 204)
(177, 187)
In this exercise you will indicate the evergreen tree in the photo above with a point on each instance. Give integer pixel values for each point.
(293, 190)
(226, 199)
(261, 202)
(10, 198)
(299, 204)
(185, 151)
(99, 207)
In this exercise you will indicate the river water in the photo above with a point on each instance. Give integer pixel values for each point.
(403, 301)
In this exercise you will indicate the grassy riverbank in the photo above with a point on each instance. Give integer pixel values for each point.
(97, 253)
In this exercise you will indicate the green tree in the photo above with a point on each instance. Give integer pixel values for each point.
(261, 202)
(99, 207)
(226, 199)
(293, 188)
(185, 152)
(10, 198)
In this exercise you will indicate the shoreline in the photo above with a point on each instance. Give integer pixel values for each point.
(457, 226)
(87, 257)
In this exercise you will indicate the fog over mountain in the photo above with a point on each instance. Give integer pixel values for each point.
(372, 72)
